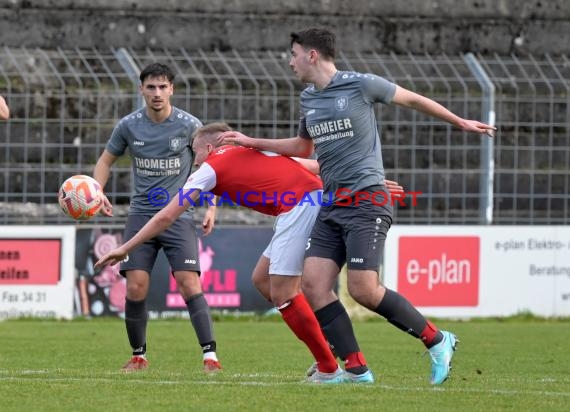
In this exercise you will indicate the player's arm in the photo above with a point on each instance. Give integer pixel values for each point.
(292, 147)
(311, 165)
(407, 98)
(101, 174)
(205, 179)
(210, 217)
(160, 222)
(4, 109)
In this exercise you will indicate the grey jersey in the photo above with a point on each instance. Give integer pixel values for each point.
(341, 122)
(160, 154)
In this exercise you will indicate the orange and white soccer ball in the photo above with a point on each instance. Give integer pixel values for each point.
(80, 197)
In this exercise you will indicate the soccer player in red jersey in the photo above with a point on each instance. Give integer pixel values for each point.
(274, 185)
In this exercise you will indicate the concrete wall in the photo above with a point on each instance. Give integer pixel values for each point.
(416, 26)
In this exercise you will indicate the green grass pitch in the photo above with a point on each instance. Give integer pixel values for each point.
(514, 364)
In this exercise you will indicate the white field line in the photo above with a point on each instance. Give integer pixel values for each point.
(25, 377)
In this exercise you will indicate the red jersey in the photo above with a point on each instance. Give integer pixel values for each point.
(269, 183)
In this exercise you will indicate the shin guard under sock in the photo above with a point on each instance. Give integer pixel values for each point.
(201, 319)
(136, 318)
(402, 314)
(337, 327)
(300, 318)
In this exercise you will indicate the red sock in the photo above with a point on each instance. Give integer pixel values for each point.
(302, 321)
(354, 360)
(429, 333)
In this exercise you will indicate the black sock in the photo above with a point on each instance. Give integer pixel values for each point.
(400, 313)
(201, 321)
(337, 328)
(136, 318)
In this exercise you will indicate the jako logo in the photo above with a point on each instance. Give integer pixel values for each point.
(191, 261)
(439, 270)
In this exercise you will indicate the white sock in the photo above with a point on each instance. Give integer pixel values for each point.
(210, 355)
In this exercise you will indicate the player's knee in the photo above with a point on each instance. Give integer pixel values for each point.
(368, 297)
(188, 284)
(279, 299)
(136, 291)
(362, 299)
(310, 290)
(257, 280)
(283, 293)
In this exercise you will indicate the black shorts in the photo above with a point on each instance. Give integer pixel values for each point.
(352, 234)
(180, 243)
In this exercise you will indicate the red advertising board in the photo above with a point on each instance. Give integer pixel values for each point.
(439, 270)
(30, 261)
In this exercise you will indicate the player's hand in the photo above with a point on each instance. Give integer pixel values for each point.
(235, 138)
(112, 258)
(478, 127)
(209, 221)
(393, 187)
(107, 208)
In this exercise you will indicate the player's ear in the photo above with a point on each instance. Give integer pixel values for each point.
(313, 55)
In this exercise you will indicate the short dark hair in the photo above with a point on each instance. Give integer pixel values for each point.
(322, 40)
(157, 70)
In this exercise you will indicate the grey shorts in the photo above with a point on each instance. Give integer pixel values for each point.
(351, 234)
(179, 241)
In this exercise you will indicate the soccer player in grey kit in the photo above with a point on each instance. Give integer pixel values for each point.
(339, 124)
(159, 141)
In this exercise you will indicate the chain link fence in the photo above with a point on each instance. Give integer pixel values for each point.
(65, 103)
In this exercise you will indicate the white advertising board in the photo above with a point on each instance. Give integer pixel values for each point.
(476, 271)
(37, 271)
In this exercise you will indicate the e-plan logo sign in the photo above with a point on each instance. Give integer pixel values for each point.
(439, 270)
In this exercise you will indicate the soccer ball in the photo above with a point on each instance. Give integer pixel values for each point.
(80, 197)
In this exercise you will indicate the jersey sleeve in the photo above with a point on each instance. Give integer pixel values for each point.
(203, 179)
(194, 125)
(117, 144)
(377, 89)
(302, 131)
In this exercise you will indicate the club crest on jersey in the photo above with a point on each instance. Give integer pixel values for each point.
(175, 143)
(341, 103)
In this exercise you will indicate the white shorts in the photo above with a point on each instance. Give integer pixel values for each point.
(286, 250)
